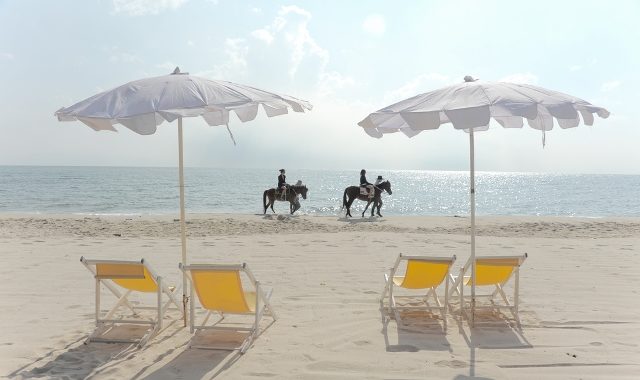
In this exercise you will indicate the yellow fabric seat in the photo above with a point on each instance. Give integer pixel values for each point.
(421, 273)
(490, 274)
(494, 272)
(130, 276)
(220, 289)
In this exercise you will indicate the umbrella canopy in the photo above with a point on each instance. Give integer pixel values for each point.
(144, 104)
(470, 106)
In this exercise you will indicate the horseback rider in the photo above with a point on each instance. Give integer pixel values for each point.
(379, 180)
(366, 184)
(282, 184)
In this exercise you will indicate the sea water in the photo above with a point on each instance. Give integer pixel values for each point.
(152, 191)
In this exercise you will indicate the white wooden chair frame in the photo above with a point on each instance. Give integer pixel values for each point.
(103, 322)
(512, 306)
(262, 307)
(387, 292)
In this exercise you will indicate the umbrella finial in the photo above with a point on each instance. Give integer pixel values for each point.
(469, 78)
(176, 71)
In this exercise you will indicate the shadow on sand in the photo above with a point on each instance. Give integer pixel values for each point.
(492, 330)
(370, 219)
(419, 333)
(200, 364)
(78, 360)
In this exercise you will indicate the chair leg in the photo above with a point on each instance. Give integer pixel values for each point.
(159, 314)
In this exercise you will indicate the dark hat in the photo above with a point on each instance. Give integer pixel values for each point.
(379, 177)
(281, 170)
(362, 171)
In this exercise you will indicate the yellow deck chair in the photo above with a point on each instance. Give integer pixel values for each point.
(424, 273)
(493, 272)
(130, 276)
(220, 289)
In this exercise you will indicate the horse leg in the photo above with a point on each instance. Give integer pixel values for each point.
(349, 202)
(366, 207)
(264, 201)
(273, 201)
(379, 207)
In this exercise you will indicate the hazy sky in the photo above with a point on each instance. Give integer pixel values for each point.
(348, 58)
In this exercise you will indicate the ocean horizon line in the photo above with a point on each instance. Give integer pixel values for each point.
(290, 168)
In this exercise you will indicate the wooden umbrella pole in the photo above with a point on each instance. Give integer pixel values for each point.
(183, 225)
(472, 196)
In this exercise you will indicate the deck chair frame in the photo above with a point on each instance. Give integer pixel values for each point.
(512, 306)
(262, 306)
(388, 293)
(109, 319)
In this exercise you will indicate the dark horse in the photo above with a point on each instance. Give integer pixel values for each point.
(291, 196)
(352, 193)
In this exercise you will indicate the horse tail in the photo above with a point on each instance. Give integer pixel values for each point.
(264, 201)
(344, 199)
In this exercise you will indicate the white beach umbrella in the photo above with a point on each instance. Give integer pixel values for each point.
(144, 104)
(470, 106)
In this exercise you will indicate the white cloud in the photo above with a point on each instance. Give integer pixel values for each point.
(236, 51)
(374, 24)
(256, 10)
(191, 43)
(611, 85)
(291, 25)
(144, 7)
(525, 78)
(575, 68)
(329, 82)
(7, 56)
(418, 85)
(263, 35)
(294, 9)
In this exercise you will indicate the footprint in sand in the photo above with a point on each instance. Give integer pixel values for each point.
(452, 363)
(402, 348)
(262, 374)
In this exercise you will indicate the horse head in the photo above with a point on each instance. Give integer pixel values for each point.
(386, 186)
(303, 191)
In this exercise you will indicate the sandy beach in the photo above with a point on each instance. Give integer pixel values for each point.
(579, 298)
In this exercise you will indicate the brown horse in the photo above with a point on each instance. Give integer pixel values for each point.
(352, 193)
(291, 196)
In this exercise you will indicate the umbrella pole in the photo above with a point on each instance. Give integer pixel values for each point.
(183, 226)
(472, 196)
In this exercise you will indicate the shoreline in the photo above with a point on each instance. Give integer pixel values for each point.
(203, 225)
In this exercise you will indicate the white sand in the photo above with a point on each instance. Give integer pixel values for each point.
(580, 301)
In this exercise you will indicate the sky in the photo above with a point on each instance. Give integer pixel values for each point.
(348, 58)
